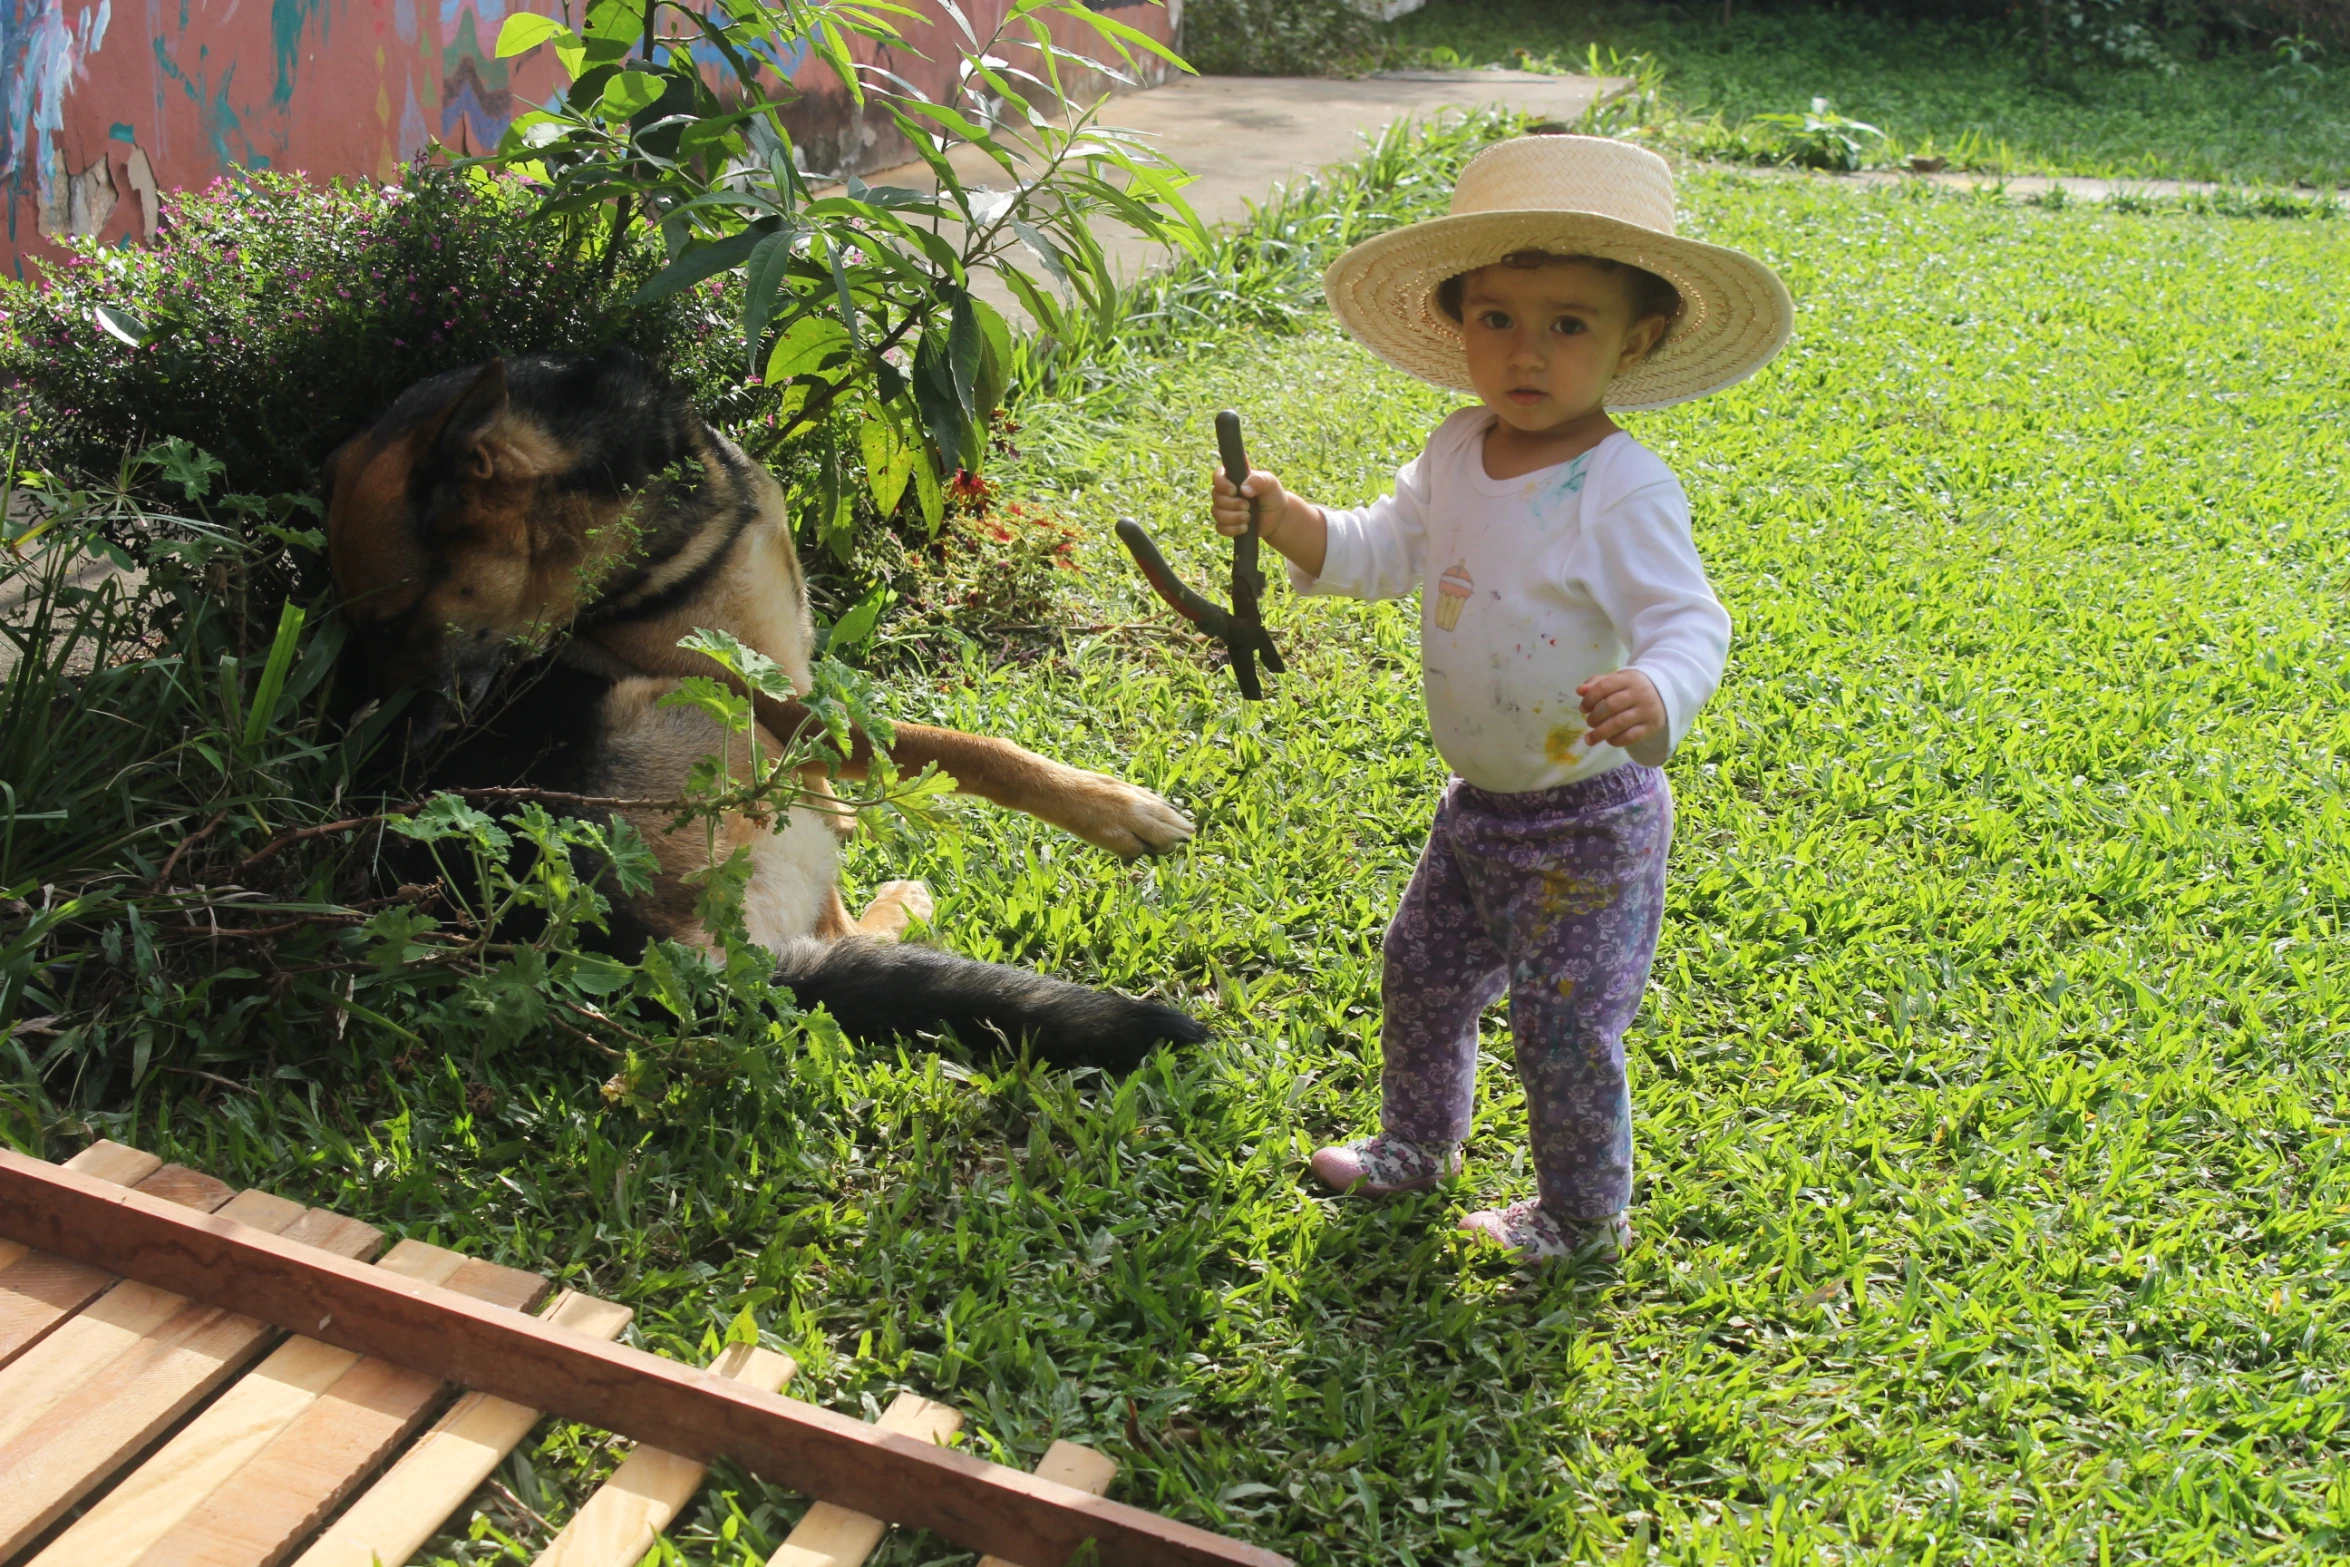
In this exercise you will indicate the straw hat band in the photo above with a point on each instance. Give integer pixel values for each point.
(1569, 195)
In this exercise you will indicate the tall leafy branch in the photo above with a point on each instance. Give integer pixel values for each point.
(856, 299)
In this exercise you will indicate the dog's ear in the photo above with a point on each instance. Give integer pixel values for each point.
(452, 439)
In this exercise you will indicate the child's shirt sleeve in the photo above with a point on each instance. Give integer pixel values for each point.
(1380, 551)
(1640, 567)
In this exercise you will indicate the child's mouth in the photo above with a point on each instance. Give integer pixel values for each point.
(1526, 396)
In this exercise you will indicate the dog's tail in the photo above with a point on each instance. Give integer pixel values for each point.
(877, 990)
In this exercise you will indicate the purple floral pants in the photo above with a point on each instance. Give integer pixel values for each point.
(1558, 895)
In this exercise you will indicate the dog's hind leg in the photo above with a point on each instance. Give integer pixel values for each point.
(895, 905)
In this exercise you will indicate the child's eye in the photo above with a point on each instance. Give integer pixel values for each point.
(1495, 320)
(1566, 326)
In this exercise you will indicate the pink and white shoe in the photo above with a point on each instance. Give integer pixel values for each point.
(1376, 1166)
(1531, 1234)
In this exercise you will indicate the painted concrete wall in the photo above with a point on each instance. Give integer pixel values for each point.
(105, 103)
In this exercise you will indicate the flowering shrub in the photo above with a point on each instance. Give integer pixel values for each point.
(273, 318)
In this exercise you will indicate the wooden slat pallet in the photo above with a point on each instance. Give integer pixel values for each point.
(239, 1381)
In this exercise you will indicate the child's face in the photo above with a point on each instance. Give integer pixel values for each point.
(1544, 342)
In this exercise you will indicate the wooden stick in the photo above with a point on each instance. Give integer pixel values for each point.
(830, 1536)
(977, 1505)
(616, 1526)
(405, 1508)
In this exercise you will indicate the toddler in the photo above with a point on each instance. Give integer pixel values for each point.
(1567, 639)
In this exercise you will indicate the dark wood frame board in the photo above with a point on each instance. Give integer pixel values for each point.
(455, 1337)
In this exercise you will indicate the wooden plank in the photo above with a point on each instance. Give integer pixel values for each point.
(300, 1474)
(1079, 1468)
(39, 1291)
(88, 1342)
(109, 1160)
(189, 1188)
(832, 1536)
(616, 1526)
(407, 1507)
(210, 1449)
(66, 1453)
(974, 1504)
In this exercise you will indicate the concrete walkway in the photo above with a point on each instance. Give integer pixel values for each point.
(1240, 136)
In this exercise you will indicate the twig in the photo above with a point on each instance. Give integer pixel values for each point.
(286, 840)
(260, 932)
(681, 808)
(215, 1077)
(576, 1032)
(606, 1022)
(163, 876)
(521, 1506)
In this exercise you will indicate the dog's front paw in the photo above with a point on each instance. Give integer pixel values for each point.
(1121, 818)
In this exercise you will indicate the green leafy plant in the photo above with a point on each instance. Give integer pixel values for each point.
(854, 299)
(1820, 138)
(2297, 70)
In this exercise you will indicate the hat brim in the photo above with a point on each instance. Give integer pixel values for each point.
(1735, 313)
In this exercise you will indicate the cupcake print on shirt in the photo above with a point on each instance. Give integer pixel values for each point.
(1452, 591)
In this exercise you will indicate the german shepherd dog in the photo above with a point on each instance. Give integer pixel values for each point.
(523, 544)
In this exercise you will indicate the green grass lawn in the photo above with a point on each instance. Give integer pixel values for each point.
(1993, 1194)
(2226, 118)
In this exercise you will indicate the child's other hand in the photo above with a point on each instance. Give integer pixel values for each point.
(1622, 708)
(1231, 505)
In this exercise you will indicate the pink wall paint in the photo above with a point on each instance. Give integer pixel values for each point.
(104, 103)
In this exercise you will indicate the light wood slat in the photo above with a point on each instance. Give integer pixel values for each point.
(1077, 1467)
(208, 1450)
(661, 1403)
(87, 1342)
(616, 1526)
(832, 1536)
(189, 1188)
(407, 1507)
(109, 1160)
(112, 1416)
(258, 1515)
(38, 1291)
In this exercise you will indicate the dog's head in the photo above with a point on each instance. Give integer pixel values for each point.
(466, 526)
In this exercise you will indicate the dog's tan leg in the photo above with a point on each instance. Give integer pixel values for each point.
(1117, 816)
(895, 905)
(832, 918)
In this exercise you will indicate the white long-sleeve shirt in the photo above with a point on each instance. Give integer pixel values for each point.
(1532, 586)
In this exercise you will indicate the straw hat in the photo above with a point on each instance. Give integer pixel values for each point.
(1571, 195)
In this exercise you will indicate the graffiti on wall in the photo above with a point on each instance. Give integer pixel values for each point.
(106, 103)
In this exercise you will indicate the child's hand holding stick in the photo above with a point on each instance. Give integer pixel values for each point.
(1242, 628)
